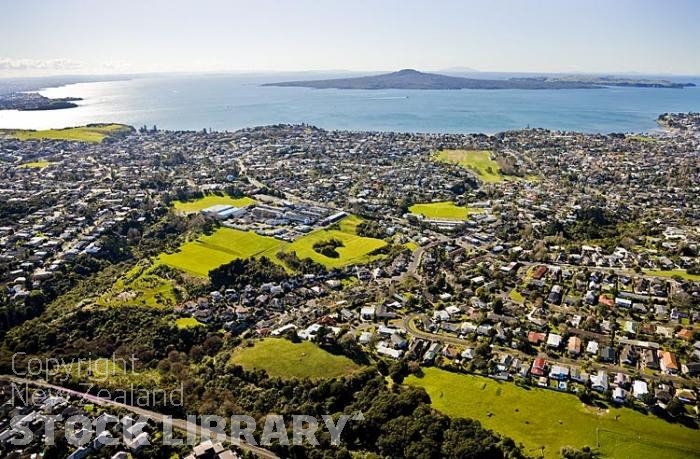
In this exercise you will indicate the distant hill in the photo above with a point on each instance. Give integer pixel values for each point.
(413, 79)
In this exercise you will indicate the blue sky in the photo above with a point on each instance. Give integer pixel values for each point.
(80, 36)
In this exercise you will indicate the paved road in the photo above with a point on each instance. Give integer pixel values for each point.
(178, 424)
(418, 257)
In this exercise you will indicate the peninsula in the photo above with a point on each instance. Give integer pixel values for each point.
(413, 79)
(27, 101)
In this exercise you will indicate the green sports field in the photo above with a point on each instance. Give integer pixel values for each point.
(355, 251)
(349, 224)
(284, 359)
(92, 133)
(355, 248)
(186, 207)
(478, 161)
(200, 256)
(446, 210)
(540, 417)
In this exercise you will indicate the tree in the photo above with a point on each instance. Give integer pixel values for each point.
(675, 407)
(398, 371)
(586, 452)
(498, 306)
(483, 350)
(585, 396)
(648, 399)
(322, 335)
(35, 300)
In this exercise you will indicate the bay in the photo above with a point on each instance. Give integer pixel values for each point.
(229, 102)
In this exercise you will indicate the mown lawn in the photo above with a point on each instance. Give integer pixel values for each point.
(478, 161)
(446, 210)
(140, 286)
(91, 133)
(350, 223)
(284, 359)
(187, 322)
(35, 165)
(541, 417)
(187, 207)
(200, 256)
(356, 249)
(674, 272)
(412, 246)
(516, 296)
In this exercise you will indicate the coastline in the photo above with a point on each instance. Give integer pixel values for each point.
(232, 102)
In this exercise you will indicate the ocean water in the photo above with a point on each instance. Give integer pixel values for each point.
(229, 102)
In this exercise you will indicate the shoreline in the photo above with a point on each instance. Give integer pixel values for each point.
(172, 102)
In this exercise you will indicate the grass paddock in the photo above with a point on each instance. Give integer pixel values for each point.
(478, 161)
(445, 210)
(541, 417)
(93, 133)
(282, 358)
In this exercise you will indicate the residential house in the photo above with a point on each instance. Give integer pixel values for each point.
(607, 354)
(385, 350)
(691, 369)
(668, 362)
(431, 353)
(592, 347)
(621, 380)
(651, 359)
(536, 338)
(599, 382)
(539, 367)
(618, 395)
(367, 313)
(79, 453)
(628, 355)
(554, 340)
(639, 388)
(686, 396)
(574, 345)
(136, 444)
(559, 372)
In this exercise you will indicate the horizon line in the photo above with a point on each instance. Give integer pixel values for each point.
(453, 70)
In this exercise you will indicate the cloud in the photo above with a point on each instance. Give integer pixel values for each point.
(8, 63)
(116, 65)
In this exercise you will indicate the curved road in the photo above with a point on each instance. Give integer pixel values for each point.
(178, 424)
(409, 327)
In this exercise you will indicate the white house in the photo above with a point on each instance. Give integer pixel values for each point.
(618, 395)
(639, 388)
(599, 381)
(592, 347)
(367, 313)
(554, 340)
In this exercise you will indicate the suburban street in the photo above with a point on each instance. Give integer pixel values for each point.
(178, 424)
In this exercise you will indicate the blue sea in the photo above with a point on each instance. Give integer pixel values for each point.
(229, 102)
